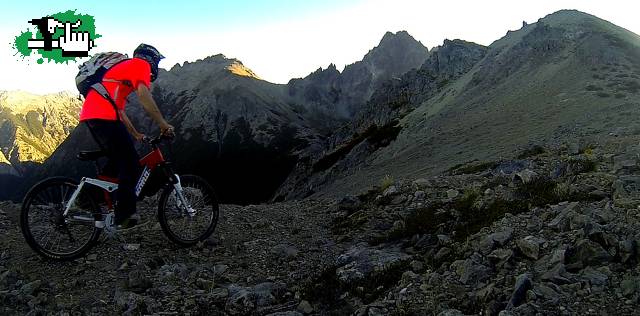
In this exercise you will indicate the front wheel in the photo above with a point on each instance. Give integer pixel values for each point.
(193, 221)
(48, 231)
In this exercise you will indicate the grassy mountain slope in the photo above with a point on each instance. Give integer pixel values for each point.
(570, 77)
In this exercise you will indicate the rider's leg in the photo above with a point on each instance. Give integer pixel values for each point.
(113, 137)
(128, 173)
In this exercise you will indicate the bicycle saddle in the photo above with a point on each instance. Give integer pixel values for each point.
(91, 155)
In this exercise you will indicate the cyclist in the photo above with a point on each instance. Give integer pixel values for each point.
(112, 130)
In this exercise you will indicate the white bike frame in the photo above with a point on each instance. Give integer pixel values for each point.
(111, 187)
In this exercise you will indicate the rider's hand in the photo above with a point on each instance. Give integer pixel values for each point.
(139, 137)
(166, 129)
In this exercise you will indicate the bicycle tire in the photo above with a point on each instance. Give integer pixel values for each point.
(192, 186)
(65, 186)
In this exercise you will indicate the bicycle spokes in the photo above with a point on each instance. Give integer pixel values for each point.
(189, 210)
(48, 226)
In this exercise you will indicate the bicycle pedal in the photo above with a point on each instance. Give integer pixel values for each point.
(108, 225)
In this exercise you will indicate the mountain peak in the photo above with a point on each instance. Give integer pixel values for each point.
(396, 46)
(215, 63)
(399, 38)
(237, 68)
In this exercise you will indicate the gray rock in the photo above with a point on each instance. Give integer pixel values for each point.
(443, 253)
(392, 190)
(511, 167)
(503, 236)
(289, 313)
(596, 278)
(129, 303)
(178, 270)
(421, 183)
(416, 266)
(30, 288)
(546, 292)
(220, 269)
(451, 312)
(557, 256)
(561, 221)
(585, 253)
(499, 238)
(362, 262)
(523, 284)
(524, 176)
(265, 293)
(577, 221)
(204, 284)
(529, 247)
(452, 193)
(350, 203)
(137, 282)
(500, 256)
(241, 301)
(419, 195)
(625, 192)
(376, 311)
(470, 272)
(444, 240)
(628, 250)
(218, 294)
(558, 275)
(305, 307)
(629, 286)
(285, 251)
(398, 199)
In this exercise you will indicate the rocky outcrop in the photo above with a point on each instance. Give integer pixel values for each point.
(396, 98)
(343, 94)
(32, 126)
(375, 125)
(557, 80)
(553, 244)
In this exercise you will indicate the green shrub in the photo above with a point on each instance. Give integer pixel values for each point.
(386, 182)
(583, 165)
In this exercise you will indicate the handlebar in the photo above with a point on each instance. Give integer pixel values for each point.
(156, 140)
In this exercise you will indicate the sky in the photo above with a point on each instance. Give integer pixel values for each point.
(277, 39)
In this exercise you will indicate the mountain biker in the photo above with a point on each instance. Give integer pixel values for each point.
(113, 130)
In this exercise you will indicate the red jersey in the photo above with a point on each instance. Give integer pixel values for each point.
(129, 75)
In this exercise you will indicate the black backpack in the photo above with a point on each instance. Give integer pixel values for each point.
(91, 74)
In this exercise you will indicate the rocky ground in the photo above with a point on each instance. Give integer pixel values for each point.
(554, 232)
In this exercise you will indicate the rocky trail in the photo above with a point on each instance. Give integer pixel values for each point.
(250, 256)
(554, 232)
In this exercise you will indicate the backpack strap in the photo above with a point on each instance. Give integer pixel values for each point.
(99, 87)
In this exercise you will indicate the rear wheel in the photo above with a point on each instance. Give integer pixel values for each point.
(45, 228)
(188, 224)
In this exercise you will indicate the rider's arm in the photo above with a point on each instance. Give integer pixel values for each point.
(149, 105)
(132, 130)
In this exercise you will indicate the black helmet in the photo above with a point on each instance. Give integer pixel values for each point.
(151, 55)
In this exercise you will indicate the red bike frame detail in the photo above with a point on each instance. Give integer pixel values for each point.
(107, 196)
(152, 159)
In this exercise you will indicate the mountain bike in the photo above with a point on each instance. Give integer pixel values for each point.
(62, 219)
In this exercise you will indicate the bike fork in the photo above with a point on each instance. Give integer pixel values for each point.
(183, 202)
